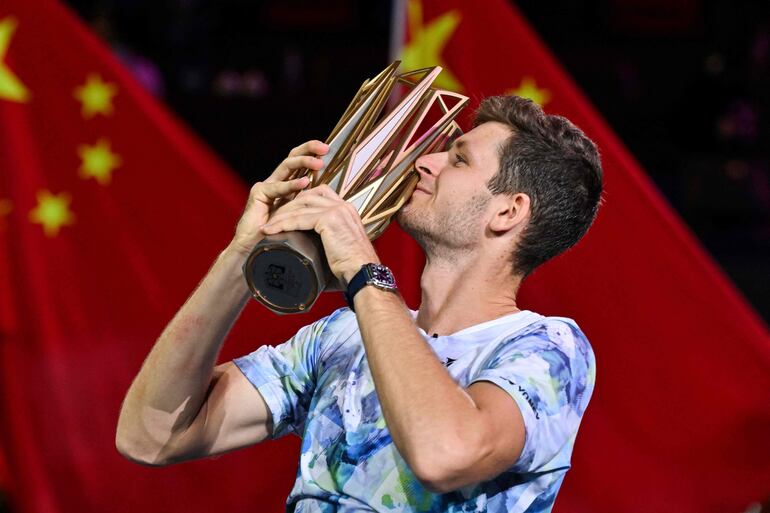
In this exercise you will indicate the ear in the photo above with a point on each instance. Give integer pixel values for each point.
(510, 213)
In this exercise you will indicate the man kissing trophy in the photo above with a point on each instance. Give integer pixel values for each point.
(370, 164)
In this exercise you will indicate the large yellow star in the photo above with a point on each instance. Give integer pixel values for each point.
(52, 211)
(96, 96)
(427, 43)
(98, 161)
(11, 87)
(528, 89)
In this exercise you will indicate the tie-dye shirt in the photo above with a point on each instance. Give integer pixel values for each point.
(319, 387)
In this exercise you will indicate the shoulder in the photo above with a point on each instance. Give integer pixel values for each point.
(554, 333)
(328, 326)
(551, 345)
(337, 320)
(340, 321)
(338, 329)
(551, 360)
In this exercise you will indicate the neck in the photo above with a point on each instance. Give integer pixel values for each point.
(464, 291)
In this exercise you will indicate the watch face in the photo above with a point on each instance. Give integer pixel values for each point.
(381, 276)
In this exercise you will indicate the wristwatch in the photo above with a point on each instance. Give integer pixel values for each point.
(370, 274)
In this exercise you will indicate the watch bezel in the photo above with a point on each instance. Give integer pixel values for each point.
(374, 280)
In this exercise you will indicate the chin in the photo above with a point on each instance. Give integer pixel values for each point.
(412, 223)
(404, 211)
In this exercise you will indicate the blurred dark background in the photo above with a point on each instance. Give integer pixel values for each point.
(684, 83)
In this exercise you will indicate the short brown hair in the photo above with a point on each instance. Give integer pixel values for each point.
(556, 165)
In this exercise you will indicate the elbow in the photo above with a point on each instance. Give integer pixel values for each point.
(434, 482)
(445, 471)
(138, 451)
(133, 454)
(435, 476)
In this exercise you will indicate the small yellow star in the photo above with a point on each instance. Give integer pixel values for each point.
(11, 87)
(96, 96)
(52, 211)
(528, 89)
(98, 161)
(428, 42)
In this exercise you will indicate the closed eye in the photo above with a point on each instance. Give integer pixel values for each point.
(459, 159)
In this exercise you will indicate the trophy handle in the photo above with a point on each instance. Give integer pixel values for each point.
(287, 272)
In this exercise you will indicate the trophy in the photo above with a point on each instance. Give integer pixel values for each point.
(370, 164)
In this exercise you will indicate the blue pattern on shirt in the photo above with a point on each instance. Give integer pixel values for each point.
(318, 386)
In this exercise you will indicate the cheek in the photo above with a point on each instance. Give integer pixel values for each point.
(456, 189)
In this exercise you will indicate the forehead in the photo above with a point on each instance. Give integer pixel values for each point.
(487, 136)
(490, 130)
(483, 143)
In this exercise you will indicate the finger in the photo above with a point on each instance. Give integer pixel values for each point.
(282, 215)
(274, 190)
(310, 148)
(291, 164)
(292, 223)
(307, 199)
(325, 191)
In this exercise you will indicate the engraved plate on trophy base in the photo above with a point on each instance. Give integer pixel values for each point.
(287, 271)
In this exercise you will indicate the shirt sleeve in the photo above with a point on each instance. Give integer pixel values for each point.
(285, 376)
(549, 371)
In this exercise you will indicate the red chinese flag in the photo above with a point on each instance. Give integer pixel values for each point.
(110, 213)
(680, 418)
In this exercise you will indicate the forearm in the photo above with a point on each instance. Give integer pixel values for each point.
(173, 382)
(431, 419)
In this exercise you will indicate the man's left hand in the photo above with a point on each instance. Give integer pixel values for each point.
(338, 223)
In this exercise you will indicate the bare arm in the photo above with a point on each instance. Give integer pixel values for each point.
(175, 407)
(450, 436)
(180, 406)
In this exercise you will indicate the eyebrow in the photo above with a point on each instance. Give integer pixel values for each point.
(461, 145)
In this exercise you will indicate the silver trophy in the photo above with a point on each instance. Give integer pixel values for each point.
(370, 164)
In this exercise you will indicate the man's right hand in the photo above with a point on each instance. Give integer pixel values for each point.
(264, 195)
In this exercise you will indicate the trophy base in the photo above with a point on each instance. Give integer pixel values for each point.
(287, 272)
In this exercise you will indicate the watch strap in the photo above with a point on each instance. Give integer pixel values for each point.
(365, 277)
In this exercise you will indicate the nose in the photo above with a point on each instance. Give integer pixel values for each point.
(429, 164)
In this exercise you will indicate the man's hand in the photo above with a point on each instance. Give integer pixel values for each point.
(263, 195)
(343, 235)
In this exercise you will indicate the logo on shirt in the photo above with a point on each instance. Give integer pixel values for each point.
(526, 396)
(449, 361)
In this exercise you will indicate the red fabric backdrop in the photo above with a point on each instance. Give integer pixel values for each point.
(110, 216)
(680, 418)
(80, 308)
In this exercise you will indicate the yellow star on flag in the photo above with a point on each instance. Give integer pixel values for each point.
(11, 87)
(528, 89)
(98, 161)
(96, 96)
(428, 43)
(52, 211)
